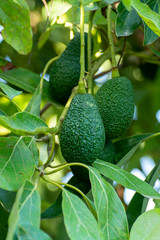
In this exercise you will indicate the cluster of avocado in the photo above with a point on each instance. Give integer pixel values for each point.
(92, 121)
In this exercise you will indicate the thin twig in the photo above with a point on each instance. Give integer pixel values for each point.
(45, 108)
(122, 53)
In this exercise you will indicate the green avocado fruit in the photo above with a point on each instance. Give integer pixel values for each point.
(82, 135)
(116, 104)
(65, 72)
(108, 152)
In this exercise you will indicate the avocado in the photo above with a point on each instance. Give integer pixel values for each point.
(65, 72)
(116, 104)
(82, 135)
(107, 153)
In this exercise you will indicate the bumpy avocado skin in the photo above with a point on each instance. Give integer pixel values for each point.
(108, 152)
(116, 104)
(82, 136)
(65, 72)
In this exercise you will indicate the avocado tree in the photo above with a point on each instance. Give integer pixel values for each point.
(79, 97)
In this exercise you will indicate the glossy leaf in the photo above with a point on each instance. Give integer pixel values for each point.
(78, 220)
(3, 223)
(126, 179)
(9, 91)
(33, 106)
(24, 123)
(147, 226)
(15, 18)
(26, 209)
(16, 163)
(127, 21)
(111, 214)
(151, 18)
(7, 198)
(28, 231)
(28, 81)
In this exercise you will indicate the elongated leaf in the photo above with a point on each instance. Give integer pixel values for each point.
(26, 209)
(77, 3)
(112, 218)
(147, 226)
(23, 123)
(28, 81)
(79, 221)
(16, 163)
(31, 144)
(7, 198)
(3, 223)
(126, 179)
(15, 18)
(127, 21)
(28, 231)
(2, 113)
(151, 18)
(33, 106)
(127, 4)
(9, 91)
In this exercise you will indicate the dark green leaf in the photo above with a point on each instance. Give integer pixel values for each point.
(151, 18)
(7, 198)
(24, 123)
(147, 226)
(26, 209)
(3, 223)
(29, 232)
(127, 21)
(2, 113)
(77, 3)
(104, 3)
(54, 210)
(3, 62)
(78, 220)
(111, 214)
(33, 106)
(28, 81)
(126, 179)
(15, 18)
(16, 163)
(9, 91)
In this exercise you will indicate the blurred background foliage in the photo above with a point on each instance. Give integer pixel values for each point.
(51, 34)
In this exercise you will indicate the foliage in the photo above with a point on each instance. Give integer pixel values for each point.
(122, 40)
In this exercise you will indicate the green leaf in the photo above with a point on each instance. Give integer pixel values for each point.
(147, 226)
(149, 35)
(16, 163)
(28, 231)
(54, 210)
(151, 18)
(33, 106)
(31, 144)
(24, 123)
(127, 21)
(15, 18)
(79, 221)
(126, 179)
(127, 4)
(3, 223)
(26, 209)
(7, 198)
(28, 81)
(77, 2)
(2, 113)
(104, 3)
(111, 214)
(9, 91)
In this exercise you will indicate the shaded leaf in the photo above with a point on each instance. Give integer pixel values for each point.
(7, 198)
(31, 144)
(9, 91)
(2, 113)
(151, 18)
(147, 226)
(111, 214)
(33, 106)
(127, 21)
(126, 179)
(77, 3)
(28, 81)
(16, 163)
(23, 123)
(79, 221)
(28, 231)
(15, 18)
(26, 209)
(3, 223)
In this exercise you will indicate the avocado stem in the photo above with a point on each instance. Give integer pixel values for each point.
(115, 72)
